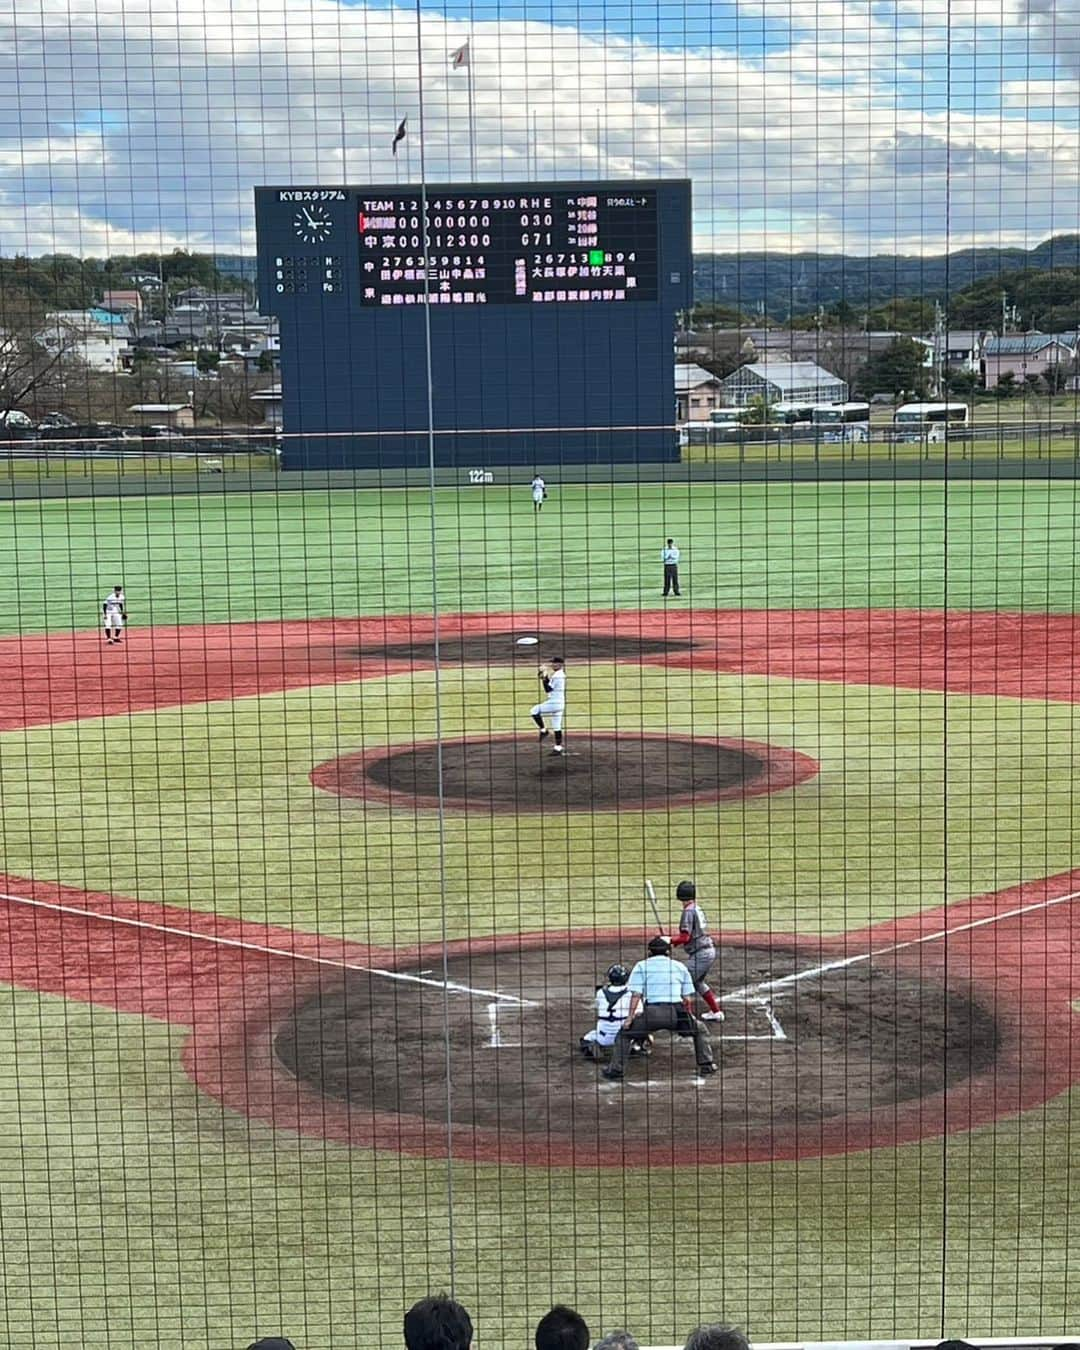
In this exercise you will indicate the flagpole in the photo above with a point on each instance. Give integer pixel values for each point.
(472, 112)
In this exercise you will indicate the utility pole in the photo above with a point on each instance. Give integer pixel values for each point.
(939, 349)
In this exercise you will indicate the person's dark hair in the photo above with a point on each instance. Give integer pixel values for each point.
(671, 541)
(557, 661)
(617, 1340)
(716, 1336)
(272, 1343)
(955, 1345)
(562, 1329)
(438, 1324)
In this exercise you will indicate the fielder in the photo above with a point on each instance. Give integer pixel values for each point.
(114, 614)
(554, 680)
(612, 1004)
(693, 934)
(539, 493)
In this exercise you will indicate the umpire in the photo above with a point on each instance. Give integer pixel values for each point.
(669, 556)
(667, 991)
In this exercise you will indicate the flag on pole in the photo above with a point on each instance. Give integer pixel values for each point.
(460, 57)
(399, 135)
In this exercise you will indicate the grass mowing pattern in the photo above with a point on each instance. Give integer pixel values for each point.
(134, 1208)
(240, 556)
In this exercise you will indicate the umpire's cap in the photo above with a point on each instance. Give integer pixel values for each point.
(686, 890)
(659, 945)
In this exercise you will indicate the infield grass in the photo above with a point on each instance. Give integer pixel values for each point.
(135, 1209)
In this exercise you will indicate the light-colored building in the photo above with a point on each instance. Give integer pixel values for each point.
(100, 339)
(178, 415)
(697, 393)
(784, 382)
(1026, 354)
(269, 400)
(960, 349)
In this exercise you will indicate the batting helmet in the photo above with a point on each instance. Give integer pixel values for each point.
(659, 945)
(686, 890)
(618, 974)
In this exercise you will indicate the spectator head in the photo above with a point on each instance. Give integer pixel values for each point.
(270, 1342)
(438, 1324)
(562, 1329)
(716, 1336)
(617, 1340)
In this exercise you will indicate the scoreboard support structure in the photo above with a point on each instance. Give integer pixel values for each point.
(551, 308)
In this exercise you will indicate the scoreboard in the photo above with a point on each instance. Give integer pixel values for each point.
(528, 248)
(550, 308)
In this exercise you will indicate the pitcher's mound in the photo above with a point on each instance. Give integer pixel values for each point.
(599, 771)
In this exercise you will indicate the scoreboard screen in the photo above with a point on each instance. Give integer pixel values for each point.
(478, 324)
(508, 248)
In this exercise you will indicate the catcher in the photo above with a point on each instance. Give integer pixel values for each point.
(553, 677)
(114, 614)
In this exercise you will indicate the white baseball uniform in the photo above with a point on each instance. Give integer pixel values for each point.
(112, 612)
(612, 1009)
(554, 705)
(539, 487)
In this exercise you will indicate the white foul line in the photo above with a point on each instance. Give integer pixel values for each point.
(271, 951)
(750, 992)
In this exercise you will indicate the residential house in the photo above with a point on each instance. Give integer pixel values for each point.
(960, 349)
(123, 302)
(100, 339)
(1026, 354)
(784, 382)
(178, 415)
(697, 393)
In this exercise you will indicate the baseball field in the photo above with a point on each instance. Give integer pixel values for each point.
(300, 924)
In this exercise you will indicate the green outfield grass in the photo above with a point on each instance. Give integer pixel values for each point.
(238, 556)
(136, 1209)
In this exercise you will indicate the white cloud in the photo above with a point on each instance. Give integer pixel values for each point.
(127, 125)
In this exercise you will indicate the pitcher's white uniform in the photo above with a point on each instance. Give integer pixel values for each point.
(612, 1009)
(112, 610)
(554, 705)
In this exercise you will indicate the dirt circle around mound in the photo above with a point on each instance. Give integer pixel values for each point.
(599, 771)
(855, 1044)
(499, 647)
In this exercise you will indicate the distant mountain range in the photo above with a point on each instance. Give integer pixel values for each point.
(787, 284)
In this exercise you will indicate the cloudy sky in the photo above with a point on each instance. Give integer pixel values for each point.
(835, 125)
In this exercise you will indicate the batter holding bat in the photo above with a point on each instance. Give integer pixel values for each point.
(553, 677)
(694, 935)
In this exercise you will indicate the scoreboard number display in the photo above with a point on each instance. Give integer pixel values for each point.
(489, 248)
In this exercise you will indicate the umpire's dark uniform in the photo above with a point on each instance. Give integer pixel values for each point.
(666, 987)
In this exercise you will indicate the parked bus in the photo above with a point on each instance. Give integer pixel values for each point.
(728, 417)
(787, 414)
(843, 421)
(914, 421)
(919, 416)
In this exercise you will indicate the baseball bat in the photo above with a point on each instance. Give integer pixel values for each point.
(655, 909)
